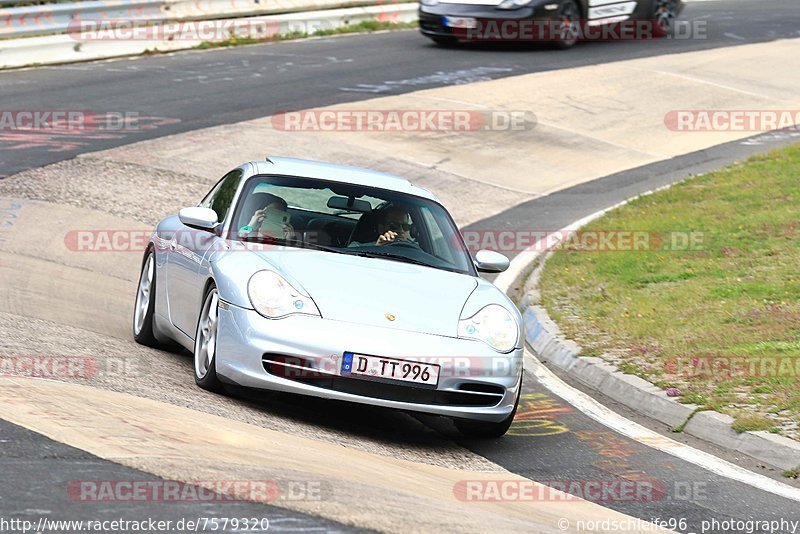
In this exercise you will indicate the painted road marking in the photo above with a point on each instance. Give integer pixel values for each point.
(650, 438)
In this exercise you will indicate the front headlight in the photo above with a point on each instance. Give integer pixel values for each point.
(273, 297)
(494, 325)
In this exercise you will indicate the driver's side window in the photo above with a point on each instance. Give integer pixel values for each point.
(221, 197)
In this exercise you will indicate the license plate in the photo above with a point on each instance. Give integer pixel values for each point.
(461, 22)
(377, 367)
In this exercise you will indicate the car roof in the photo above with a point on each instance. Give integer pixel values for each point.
(339, 173)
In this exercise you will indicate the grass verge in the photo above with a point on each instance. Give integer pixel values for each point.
(709, 303)
(365, 26)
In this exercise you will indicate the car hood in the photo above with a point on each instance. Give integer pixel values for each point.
(371, 290)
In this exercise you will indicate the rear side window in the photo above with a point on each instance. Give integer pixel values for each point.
(219, 199)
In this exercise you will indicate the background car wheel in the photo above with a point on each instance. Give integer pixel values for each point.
(445, 41)
(483, 429)
(569, 16)
(145, 305)
(665, 12)
(205, 344)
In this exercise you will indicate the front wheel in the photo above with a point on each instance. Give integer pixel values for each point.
(445, 41)
(145, 305)
(205, 344)
(484, 429)
(569, 25)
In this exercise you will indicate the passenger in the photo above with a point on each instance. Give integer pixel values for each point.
(272, 220)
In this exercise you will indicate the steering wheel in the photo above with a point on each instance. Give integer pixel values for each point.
(402, 243)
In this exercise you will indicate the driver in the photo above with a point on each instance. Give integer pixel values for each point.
(395, 225)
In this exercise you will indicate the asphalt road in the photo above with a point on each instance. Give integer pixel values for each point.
(185, 91)
(41, 479)
(552, 442)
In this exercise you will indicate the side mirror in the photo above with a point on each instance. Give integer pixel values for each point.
(489, 261)
(199, 218)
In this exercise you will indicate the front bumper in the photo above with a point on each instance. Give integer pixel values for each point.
(431, 18)
(302, 354)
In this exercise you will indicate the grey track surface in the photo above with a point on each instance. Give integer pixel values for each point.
(255, 81)
(38, 471)
(207, 88)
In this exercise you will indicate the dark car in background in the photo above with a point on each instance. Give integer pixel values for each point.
(561, 22)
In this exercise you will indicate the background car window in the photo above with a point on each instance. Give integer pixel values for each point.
(220, 198)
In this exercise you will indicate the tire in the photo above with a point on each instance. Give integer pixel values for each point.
(664, 13)
(445, 41)
(205, 344)
(145, 305)
(484, 429)
(569, 13)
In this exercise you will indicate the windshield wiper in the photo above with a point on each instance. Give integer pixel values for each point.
(392, 256)
(290, 243)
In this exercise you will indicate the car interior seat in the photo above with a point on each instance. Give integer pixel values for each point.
(366, 229)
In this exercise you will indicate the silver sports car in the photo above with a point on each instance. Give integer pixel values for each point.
(335, 282)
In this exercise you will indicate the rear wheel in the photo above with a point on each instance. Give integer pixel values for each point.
(205, 344)
(568, 28)
(484, 429)
(665, 12)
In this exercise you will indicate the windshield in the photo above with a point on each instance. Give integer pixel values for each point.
(349, 219)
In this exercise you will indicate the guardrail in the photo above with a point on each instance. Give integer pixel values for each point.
(56, 18)
(59, 18)
(69, 48)
(13, 2)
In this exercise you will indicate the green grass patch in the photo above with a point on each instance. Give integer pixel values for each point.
(365, 26)
(712, 305)
(751, 422)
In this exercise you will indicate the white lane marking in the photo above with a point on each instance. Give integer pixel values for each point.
(714, 84)
(599, 140)
(609, 418)
(459, 77)
(653, 439)
(733, 36)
